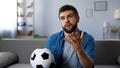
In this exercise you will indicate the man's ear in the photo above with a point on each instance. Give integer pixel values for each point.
(78, 18)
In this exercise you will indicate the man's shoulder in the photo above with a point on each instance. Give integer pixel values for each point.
(88, 35)
(88, 40)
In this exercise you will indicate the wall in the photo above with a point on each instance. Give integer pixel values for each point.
(47, 22)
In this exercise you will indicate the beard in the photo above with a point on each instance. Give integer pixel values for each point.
(73, 28)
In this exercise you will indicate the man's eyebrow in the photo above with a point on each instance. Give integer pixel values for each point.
(71, 14)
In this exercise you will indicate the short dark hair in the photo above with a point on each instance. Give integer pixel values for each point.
(68, 7)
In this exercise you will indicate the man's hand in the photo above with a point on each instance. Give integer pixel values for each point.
(75, 39)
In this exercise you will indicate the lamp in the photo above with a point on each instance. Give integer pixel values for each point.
(115, 29)
(117, 14)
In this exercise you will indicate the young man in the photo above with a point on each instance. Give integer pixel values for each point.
(71, 47)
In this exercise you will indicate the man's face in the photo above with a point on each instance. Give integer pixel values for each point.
(69, 21)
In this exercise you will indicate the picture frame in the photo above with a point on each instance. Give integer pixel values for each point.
(100, 5)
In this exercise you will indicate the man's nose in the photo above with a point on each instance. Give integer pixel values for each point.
(66, 20)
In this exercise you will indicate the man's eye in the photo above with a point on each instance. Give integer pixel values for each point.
(62, 18)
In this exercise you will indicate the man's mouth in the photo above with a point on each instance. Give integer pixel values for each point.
(68, 25)
(69, 28)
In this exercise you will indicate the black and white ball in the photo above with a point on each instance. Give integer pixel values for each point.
(42, 58)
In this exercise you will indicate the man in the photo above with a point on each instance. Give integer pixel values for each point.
(71, 47)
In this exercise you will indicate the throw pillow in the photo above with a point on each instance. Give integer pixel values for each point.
(7, 58)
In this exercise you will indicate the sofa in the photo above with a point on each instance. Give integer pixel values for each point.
(17, 52)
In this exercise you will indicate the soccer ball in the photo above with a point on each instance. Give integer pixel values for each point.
(42, 58)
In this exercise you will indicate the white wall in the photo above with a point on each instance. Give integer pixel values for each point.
(47, 22)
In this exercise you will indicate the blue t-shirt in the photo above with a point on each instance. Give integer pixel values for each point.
(56, 45)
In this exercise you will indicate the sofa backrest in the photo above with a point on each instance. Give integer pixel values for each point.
(107, 52)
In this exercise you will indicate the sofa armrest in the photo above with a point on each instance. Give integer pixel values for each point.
(7, 58)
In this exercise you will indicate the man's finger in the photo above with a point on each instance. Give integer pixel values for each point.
(82, 35)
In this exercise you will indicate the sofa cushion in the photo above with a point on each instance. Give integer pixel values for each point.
(107, 66)
(20, 65)
(7, 58)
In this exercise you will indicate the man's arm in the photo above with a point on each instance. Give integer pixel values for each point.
(86, 61)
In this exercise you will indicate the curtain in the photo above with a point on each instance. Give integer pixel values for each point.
(8, 31)
(8, 18)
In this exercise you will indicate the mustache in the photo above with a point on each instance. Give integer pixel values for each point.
(69, 24)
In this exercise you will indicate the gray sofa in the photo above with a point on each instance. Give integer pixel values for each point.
(107, 52)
